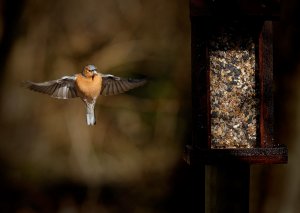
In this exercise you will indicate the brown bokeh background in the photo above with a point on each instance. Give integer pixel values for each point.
(51, 161)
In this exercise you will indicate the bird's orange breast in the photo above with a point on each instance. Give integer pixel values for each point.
(88, 87)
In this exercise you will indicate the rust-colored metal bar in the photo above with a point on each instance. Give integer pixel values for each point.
(265, 46)
(271, 155)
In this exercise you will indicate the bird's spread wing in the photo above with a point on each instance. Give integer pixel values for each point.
(63, 88)
(112, 85)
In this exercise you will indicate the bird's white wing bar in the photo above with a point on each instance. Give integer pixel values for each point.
(63, 88)
(112, 85)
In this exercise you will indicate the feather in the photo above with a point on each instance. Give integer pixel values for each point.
(63, 88)
(112, 85)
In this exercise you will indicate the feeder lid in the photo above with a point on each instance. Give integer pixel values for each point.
(265, 9)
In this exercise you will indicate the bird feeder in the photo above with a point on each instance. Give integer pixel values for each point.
(232, 79)
(232, 100)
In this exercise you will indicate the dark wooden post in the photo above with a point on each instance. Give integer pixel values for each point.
(232, 78)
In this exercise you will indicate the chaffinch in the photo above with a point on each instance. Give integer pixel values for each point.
(87, 85)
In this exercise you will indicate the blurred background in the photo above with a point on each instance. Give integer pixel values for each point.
(51, 161)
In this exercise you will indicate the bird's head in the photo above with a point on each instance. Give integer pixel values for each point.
(89, 71)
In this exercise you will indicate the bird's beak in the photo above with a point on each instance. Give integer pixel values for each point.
(95, 72)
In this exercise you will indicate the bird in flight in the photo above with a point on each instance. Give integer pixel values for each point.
(87, 85)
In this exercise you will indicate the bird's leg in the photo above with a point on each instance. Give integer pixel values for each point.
(90, 114)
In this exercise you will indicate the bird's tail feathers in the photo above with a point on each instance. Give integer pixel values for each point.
(90, 114)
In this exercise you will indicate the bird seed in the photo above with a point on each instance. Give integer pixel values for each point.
(233, 99)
